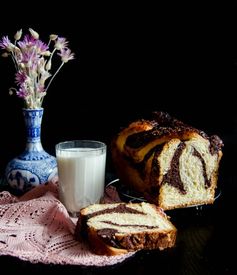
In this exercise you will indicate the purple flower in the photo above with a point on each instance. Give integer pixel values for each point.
(33, 62)
(40, 46)
(20, 78)
(5, 43)
(66, 55)
(28, 41)
(61, 43)
(22, 92)
(29, 55)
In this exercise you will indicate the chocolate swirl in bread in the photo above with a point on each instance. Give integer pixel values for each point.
(171, 163)
(119, 228)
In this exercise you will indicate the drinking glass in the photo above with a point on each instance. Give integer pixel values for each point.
(81, 171)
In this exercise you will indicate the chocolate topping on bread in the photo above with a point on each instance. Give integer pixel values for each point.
(215, 144)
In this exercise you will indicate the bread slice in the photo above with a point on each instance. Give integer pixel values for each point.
(118, 228)
(171, 164)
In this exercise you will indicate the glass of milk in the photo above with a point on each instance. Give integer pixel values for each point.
(81, 171)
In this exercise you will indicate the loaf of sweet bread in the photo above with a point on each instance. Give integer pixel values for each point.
(170, 163)
(118, 228)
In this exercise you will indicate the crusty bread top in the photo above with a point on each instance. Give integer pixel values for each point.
(165, 125)
(141, 136)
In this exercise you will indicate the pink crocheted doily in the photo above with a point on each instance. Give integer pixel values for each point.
(36, 227)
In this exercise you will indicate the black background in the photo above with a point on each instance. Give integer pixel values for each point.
(130, 61)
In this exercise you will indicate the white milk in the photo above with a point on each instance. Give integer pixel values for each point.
(81, 177)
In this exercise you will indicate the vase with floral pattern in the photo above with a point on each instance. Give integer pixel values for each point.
(34, 166)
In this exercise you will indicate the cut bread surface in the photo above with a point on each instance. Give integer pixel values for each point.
(118, 228)
(130, 218)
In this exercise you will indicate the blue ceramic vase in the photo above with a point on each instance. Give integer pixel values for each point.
(34, 166)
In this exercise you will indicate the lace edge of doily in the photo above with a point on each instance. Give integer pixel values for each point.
(64, 261)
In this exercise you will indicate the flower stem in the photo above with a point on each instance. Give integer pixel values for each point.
(49, 42)
(54, 50)
(53, 76)
(14, 61)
